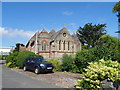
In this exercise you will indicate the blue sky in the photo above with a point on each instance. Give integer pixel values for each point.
(20, 20)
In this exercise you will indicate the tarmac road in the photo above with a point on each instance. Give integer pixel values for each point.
(12, 79)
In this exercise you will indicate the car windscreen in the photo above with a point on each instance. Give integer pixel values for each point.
(39, 59)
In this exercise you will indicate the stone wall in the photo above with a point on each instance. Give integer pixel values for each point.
(54, 44)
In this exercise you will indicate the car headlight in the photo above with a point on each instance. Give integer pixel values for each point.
(42, 65)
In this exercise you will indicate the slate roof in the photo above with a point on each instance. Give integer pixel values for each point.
(52, 32)
(56, 35)
(44, 30)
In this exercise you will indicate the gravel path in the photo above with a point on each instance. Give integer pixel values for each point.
(61, 79)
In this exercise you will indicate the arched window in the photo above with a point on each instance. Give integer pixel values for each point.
(64, 45)
(68, 45)
(32, 44)
(43, 46)
(59, 45)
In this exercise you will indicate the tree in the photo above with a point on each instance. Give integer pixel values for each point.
(116, 7)
(107, 48)
(113, 45)
(89, 34)
(17, 48)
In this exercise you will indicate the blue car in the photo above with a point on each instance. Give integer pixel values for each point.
(37, 64)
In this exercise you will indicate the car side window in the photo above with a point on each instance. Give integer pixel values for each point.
(32, 60)
(28, 60)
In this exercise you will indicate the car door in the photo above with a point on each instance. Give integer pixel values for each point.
(32, 64)
(28, 63)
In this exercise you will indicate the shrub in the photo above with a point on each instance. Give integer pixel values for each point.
(16, 58)
(68, 63)
(107, 48)
(21, 57)
(112, 44)
(83, 57)
(106, 53)
(98, 71)
(12, 59)
(38, 56)
(9, 64)
(56, 63)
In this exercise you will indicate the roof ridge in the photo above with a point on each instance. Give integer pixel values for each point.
(44, 30)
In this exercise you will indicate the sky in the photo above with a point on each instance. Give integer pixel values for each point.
(20, 20)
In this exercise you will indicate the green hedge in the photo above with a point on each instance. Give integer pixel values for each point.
(113, 46)
(21, 57)
(107, 48)
(16, 59)
(11, 60)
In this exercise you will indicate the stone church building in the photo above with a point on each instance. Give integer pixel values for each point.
(53, 44)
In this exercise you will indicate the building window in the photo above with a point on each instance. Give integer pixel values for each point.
(43, 46)
(64, 34)
(68, 45)
(64, 45)
(32, 44)
(59, 45)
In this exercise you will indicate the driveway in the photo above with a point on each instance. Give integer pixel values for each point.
(12, 79)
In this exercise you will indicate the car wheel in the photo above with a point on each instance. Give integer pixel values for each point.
(37, 71)
(51, 71)
(25, 68)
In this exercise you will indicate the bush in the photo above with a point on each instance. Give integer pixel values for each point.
(9, 64)
(21, 57)
(113, 46)
(16, 59)
(106, 53)
(38, 56)
(98, 71)
(11, 60)
(56, 63)
(83, 57)
(68, 63)
(107, 48)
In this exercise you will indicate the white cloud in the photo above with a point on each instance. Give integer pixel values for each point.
(67, 13)
(15, 33)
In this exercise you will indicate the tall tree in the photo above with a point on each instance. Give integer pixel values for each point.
(89, 34)
(116, 7)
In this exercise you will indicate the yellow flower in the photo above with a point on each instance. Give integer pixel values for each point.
(98, 86)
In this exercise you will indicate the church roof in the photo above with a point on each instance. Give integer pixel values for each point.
(57, 35)
(44, 30)
(64, 30)
(52, 32)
